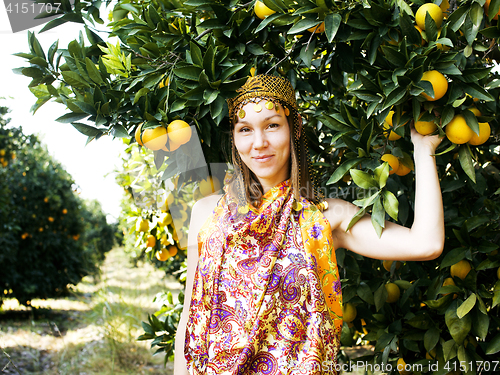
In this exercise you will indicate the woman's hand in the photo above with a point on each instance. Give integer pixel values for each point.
(425, 141)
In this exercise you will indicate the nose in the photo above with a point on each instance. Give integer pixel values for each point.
(260, 140)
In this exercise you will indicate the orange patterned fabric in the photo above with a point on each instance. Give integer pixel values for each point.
(266, 297)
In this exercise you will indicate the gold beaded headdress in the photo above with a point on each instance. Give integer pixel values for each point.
(275, 90)
(260, 87)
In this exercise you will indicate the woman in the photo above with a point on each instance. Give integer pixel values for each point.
(262, 289)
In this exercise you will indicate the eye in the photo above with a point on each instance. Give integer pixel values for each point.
(274, 125)
(244, 130)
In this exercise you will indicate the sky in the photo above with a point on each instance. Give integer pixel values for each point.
(91, 166)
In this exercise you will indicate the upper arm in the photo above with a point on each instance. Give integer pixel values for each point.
(199, 214)
(396, 242)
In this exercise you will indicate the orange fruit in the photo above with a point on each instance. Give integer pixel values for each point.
(475, 111)
(434, 11)
(164, 82)
(393, 292)
(401, 367)
(155, 138)
(262, 10)
(162, 255)
(179, 132)
(387, 125)
(458, 131)
(421, 34)
(445, 5)
(170, 146)
(51, 219)
(151, 241)
(393, 162)
(165, 219)
(64, 211)
(403, 170)
(172, 250)
(449, 281)
(349, 312)
(209, 186)
(425, 127)
(138, 134)
(484, 134)
(460, 269)
(439, 84)
(487, 6)
(388, 264)
(142, 225)
(431, 354)
(318, 28)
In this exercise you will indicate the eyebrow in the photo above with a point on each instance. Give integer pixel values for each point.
(266, 119)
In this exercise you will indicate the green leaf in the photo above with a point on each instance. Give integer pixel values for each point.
(70, 117)
(459, 328)
(496, 294)
(365, 202)
(378, 213)
(380, 297)
(363, 179)
(191, 73)
(85, 107)
(139, 94)
(87, 129)
(343, 169)
(493, 346)
(32, 72)
(471, 121)
(452, 257)
(365, 293)
(395, 96)
(382, 174)
(93, 72)
(303, 25)
(391, 204)
(466, 306)
(465, 157)
(457, 18)
(431, 338)
(74, 79)
(357, 216)
(332, 24)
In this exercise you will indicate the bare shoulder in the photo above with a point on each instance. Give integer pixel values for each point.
(206, 204)
(338, 211)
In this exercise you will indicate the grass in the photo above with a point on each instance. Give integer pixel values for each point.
(94, 331)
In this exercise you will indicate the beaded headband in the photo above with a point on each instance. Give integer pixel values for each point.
(260, 87)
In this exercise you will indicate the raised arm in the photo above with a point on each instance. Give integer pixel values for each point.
(201, 210)
(423, 241)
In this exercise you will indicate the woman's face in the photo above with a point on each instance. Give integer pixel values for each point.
(262, 140)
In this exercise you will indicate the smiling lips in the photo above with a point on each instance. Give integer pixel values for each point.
(263, 158)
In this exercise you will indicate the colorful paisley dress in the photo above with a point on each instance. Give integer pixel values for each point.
(266, 296)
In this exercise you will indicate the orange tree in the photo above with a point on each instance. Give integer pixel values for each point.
(50, 238)
(365, 72)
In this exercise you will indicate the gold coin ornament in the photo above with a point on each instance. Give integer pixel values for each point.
(287, 112)
(297, 206)
(257, 108)
(323, 206)
(277, 109)
(241, 113)
(270, 105)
